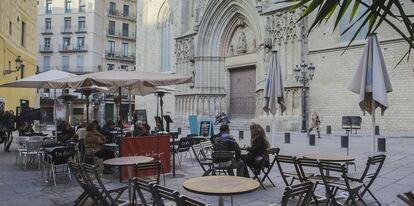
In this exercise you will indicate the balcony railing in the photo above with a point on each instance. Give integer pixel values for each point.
(45, 48)
(121, 34)
(73, 48)
(66, 30)
(119, 56)
(46, 30)
(80, 29)
(121, 14)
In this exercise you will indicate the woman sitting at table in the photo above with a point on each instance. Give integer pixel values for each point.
(68, 133)
(256, 151)
(93, 146)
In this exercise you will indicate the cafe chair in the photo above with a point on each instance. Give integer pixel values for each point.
(302, 190)
(372, 169)
(183, 147)
(142, 192)
(288, 169)
(187, 201)
(207, 148)
(205, 164)
(106, 194)
(154, 166)
(407, 198)
(76, 171)
(343, 184)
(258, 166)
(272, 152)
(59, 157)
(222, 161)
(164, 196)
(32, 153)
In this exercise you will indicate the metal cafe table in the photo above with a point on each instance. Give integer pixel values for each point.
(221, 186)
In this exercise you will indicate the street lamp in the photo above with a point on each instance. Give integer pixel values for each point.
(304, 74)
(19, 65)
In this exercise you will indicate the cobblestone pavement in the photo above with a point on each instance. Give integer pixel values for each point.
(25, 187)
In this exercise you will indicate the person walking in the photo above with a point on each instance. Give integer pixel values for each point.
(316, 123)
(10, 120)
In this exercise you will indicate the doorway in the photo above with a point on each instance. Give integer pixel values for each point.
(243, 92)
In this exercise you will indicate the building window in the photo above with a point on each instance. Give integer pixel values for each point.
(68, 6)
(125, 29)
(125, 10)
(111, 48)
(81, 24)
(112, 8)
(111, 28)
(48, 6)
(48, 24)
(66, 43)
(345, 23)
(125, 49)
(82, 6)
(79, 63)
(166, 39)
(67, 24)
(10, 28)
(81, 43)
(47, 44)
(110, 67)
(46, 63)
(65, 63)
(23, 33)
(124, 67)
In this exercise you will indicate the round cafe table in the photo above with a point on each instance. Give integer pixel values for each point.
(221, 186)
(330, 157)
(130, 162)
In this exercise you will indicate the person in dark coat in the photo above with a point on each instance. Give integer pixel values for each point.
(256, 151)
(9, 123)
(68, 133)
(226, 142)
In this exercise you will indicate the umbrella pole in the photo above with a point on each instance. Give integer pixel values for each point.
(373, 126)
(87, 109)
(54, 114)
(120, 108)
(130, 106)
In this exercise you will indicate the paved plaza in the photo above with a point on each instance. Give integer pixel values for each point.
(20, 187)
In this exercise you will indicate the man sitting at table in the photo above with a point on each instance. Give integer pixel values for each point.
(108, 130)
(93, 146)
(226, 142)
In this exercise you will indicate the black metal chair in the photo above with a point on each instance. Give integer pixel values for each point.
(302, 190)
(407, 198)
(76, 171)
(269, 165)
(164, 196)
(184, 146)
(288, 161)
(222, 161)
(187, 201)
(343, 184)
(140, 186)
(373, 167)
(60, 157)
(97, 186)
(151, 166)
(257, 167)
(205, 164)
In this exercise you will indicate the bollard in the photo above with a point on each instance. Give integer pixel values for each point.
(377, 132)
(287, 138)
(241, 134)
(382, 144)
(267, 128)
(312, 139)
(179, 130)
(344, 141)
(328, 129)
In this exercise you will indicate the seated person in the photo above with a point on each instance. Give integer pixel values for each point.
(256, 151)
(26, 129)
(93, 146)
(108, 130)
(226, 142)
(81, 131)
(141, 128)
(68, 133)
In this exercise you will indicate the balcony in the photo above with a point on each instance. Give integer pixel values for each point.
(110, 55)
(45, 48)
(66, 30)
(46, 30)
(63, 48)
(125, 35)
(120, 14)
(80, 29)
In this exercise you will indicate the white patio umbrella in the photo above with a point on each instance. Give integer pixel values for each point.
(41, 81)
(371, 82)
(274, 91)
(129, 80)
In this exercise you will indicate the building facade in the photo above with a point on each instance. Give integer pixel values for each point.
(17, 51)
(226, 45)
(83, 36)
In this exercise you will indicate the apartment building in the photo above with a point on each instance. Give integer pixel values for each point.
(83, 36)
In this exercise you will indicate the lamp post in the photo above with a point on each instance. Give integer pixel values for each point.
(304, 74)
(19, 66)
